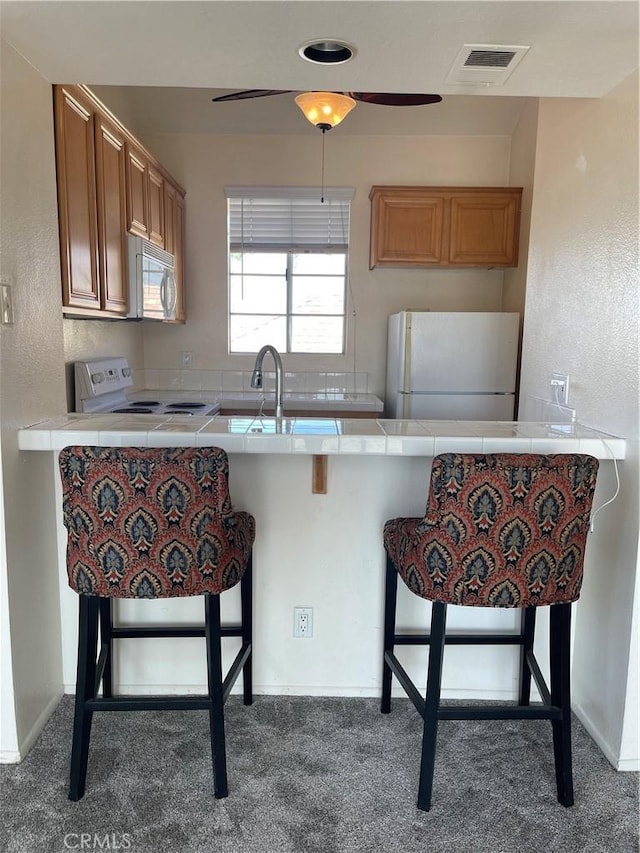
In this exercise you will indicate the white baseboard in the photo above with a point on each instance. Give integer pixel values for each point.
(623, 765)
(328, 690)
(15, 757)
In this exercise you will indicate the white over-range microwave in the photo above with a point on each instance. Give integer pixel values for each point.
(152, 284)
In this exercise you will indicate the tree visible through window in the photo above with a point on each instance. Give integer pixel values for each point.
(287, 269)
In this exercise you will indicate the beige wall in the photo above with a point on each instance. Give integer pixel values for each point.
(521, 173)
(32, 388)
(582, 317)
(205, 164)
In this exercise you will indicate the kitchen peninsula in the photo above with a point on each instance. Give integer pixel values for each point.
(318, 550)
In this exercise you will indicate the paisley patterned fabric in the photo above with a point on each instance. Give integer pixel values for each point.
(147, 523)
(500, 530)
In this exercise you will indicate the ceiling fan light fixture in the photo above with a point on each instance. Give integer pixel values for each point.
(327, 51)
(324, 109)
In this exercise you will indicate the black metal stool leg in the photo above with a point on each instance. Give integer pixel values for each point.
(432, 704)
(214, 677)
(527, 629)
(390, 599)
(560, 672)
(85, 689)
(246, 603)
(106, 645)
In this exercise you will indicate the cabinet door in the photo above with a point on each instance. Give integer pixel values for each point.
(170, 195)
(179, 245)
(484, 229)
(407, 229)
(137, 192)
(156, 207)
(179, 253)
(112, 221)
(75, 166)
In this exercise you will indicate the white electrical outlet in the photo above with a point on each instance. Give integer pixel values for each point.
(187, 359)
(303, 622)
(560, 388)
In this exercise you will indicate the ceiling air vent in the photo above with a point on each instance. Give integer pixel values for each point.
(485, 64)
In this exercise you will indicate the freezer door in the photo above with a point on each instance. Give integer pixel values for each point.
(461, 351)
(457, 407)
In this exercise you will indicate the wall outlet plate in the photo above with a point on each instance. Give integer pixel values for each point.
(187, 358)
(303, 622)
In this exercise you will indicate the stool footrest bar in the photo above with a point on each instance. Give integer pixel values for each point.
(499, 712)
(150, 703)
(461, 639)
(138, 631)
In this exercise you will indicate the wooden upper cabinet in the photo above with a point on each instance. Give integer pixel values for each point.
(444, 226)
(170, 196)
(75, 168)
(137, 191)
(174, 241)
(406, 228)
(485, 228)
(112, 216)
(156, 208)
(109, 186)
(179, 253)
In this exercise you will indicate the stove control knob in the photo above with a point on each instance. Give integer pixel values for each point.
(97, 378)
(126, 371)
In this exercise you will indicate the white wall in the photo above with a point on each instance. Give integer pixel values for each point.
(582, 317)
(32, 389)
(204, 164)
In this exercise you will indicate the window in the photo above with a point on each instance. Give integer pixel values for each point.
(287, 268)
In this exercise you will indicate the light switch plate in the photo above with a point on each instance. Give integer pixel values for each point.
(6, 302)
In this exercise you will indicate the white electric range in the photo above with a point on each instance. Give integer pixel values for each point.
(101, 386)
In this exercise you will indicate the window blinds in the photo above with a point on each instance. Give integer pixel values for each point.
(288, 219)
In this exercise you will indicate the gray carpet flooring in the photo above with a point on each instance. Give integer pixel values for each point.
(313, 775)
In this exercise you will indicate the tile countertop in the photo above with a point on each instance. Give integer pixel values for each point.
(320, 435)
(334, 400)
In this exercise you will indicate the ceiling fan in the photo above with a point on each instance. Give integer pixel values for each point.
(389, 99)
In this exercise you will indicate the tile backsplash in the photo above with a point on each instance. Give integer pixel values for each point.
(240, 380)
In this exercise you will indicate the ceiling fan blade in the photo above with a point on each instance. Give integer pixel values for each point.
(392, 99)
(251, 93)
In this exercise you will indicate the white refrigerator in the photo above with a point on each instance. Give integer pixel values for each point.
(452, 365)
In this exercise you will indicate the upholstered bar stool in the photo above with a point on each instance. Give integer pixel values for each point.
(153, 523)
(500, 530)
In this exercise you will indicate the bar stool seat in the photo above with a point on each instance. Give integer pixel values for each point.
(505, 531)
(146, 523)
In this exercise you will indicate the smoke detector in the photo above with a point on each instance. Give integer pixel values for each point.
(486, 64)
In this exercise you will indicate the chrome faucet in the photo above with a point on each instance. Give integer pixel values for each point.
(256, 379)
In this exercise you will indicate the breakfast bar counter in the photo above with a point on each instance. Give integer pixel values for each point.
(322, 548)
(320, 436)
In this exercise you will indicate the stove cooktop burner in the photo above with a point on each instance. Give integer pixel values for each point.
(144, 403)
(133, 410)
(186, 405)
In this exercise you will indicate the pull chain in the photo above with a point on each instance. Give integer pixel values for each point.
(322, 189)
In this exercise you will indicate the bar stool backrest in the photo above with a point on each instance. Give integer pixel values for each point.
(151, 523)
(500, 530)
